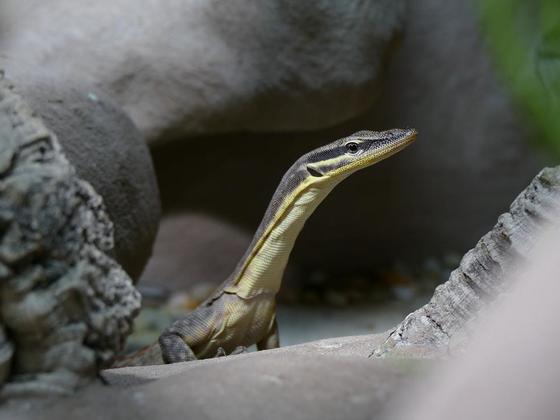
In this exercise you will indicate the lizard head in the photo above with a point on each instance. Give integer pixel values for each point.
(339, 159)
(308, 181)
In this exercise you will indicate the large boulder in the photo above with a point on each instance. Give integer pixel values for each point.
(186, 68)
(182, 250)
(328, 380)
(199, 68)
(440, 195)
(107, 151)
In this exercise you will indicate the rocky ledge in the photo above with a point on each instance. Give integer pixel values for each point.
(327, 379)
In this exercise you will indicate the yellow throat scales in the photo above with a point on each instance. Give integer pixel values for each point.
(241, 312)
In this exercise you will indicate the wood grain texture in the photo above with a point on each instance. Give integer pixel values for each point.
(443, 325)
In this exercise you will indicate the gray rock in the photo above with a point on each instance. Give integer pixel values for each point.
(440, 81)
(330, 380)
(183, 247)
(444, 192)
(3, 20)
(106, 150)
(187, 68)
(66, 306)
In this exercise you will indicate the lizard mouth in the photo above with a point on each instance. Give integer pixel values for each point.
(314, 172)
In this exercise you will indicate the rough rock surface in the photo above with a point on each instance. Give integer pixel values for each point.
(330, 379)
(65, 305)
(183, 68)
(441, 326)
(107, 151)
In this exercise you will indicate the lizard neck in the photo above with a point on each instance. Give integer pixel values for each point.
(262, 268)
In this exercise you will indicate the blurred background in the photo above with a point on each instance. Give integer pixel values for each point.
(228, 94)
(377, 247)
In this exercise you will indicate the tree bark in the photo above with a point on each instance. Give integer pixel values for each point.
(442, 325)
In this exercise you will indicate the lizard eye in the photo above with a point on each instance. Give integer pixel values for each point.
(352, 147)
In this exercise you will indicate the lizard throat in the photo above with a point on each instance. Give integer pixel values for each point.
(264, 269)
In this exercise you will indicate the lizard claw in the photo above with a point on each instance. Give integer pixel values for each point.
(221, 352)
(239, 350)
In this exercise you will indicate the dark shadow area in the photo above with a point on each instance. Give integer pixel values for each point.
(372, 217)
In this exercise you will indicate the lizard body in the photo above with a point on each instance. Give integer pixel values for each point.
(241, 312)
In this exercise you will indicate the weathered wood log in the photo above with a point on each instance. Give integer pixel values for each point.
(442, 325)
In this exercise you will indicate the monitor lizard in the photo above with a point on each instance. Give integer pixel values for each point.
(241, 312)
